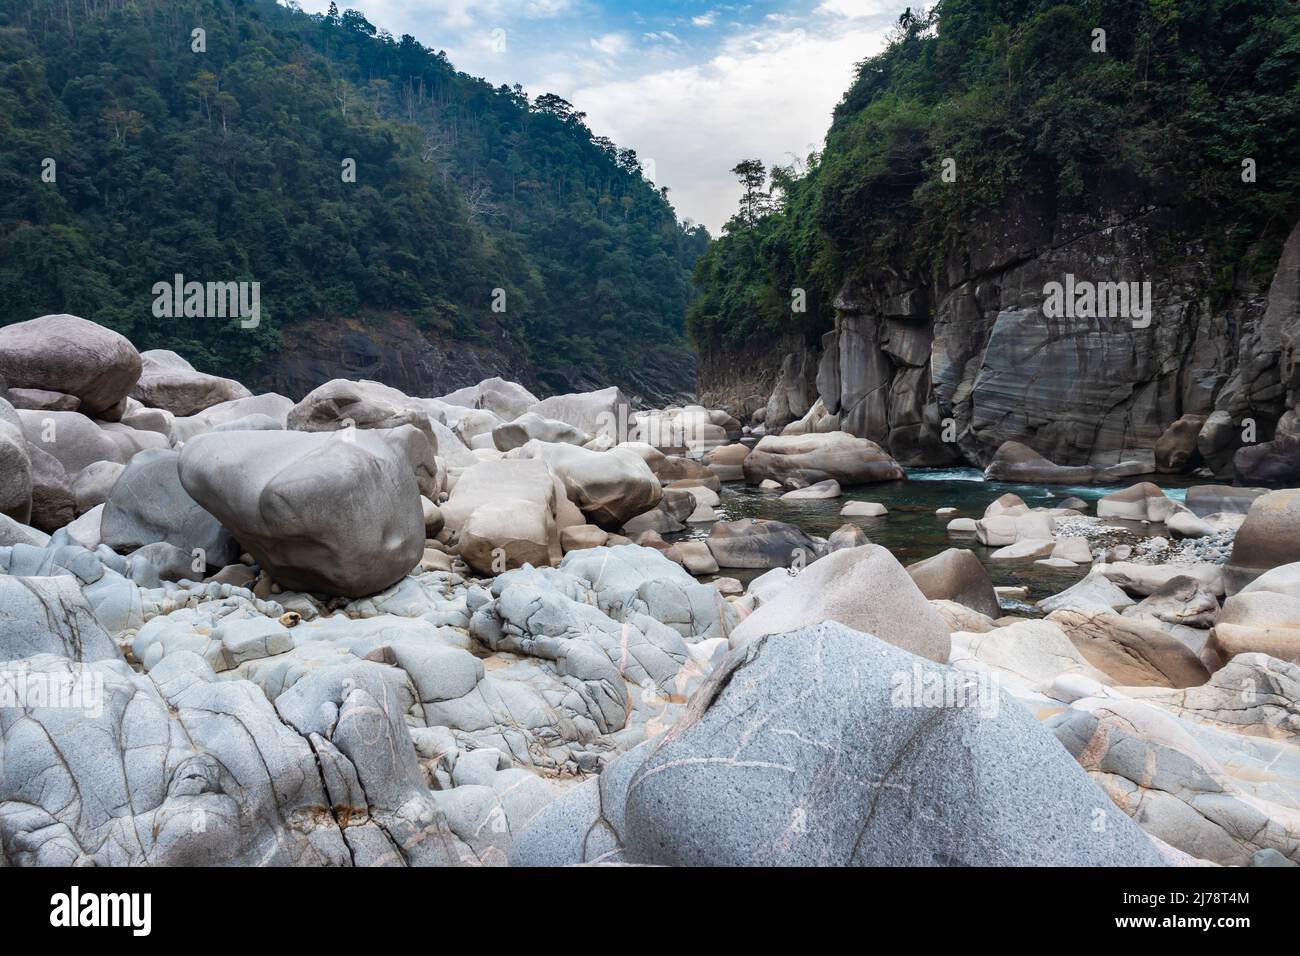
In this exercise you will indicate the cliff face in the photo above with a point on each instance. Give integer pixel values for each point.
(946, 370)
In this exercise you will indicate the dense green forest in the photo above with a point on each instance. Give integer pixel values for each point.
(1016, 94)
(226, 164)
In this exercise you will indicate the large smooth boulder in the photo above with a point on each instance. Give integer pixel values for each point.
(239, 410)
(825, 746)
(147, 504)
(1144, 501)
(71, 437)
(93, 484)
(1255, 620)
(169, 382)
(1275, 463)
(822, 490)
(15, 466)
(1146, 579)
(503, 514)
(507, 400)
(956, 575)
(728, 462)
(318, 512)
(517, 433)
(1270, 537)
(608, 486)
(1095, 593)
(1176, 450)
(341, 403)
(64, 353)
(602, 412)
(1132, 653)
(53, 502)
(814, 458)
(1014, 461)
(756, 543)
(862, 588)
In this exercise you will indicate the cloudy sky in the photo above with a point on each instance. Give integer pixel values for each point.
(692, 86)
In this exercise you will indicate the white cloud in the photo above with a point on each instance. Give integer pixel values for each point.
(705, 20)
(855, 9)
(611, 44)
(662, 35)
(766, 94)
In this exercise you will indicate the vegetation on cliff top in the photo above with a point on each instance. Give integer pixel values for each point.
(227, 165)
(1013, 92)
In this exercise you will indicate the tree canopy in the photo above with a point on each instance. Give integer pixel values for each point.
(228, 164)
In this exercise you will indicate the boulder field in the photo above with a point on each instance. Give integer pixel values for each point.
(366, 628)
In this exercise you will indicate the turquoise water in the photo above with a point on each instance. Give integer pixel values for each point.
(913, 532)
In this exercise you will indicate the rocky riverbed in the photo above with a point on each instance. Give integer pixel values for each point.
(368, 628)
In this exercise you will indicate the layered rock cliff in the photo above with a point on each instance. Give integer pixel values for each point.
(947, 370)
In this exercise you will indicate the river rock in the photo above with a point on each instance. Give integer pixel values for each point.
(862, 588)
(1182, 601)
(862, 509)
(821, 490)
(49, 615)
(273, 406)
(781, 757)
(526, 427)
(1145, 579)
(1075, 550)
(1144, 501)
(728, 462)
(697, 558)
(42, 400)
(93, 484)
(814, 458)
(609, 487)
(1257, 621)
(148, 504)
(600, 412)
(1177, 777)
(1176, 450)
(1269, 538)
(1184, 524)
(53, 503)
(1130, 652)
(581, 536)
(64, 353)
(340, 403)
(319, 512)
(1028, 549)
(15, 466)
(1014, 461)
(956, 575)
(169, 382)
(756, 543)
(1094, 594)
(526, 487)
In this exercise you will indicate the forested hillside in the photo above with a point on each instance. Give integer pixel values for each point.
(227, 164)
(1029, 107)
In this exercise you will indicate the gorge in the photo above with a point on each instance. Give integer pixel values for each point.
(903, 565)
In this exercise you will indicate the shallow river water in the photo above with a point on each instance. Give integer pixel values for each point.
(912, 530)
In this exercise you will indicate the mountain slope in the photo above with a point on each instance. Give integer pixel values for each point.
(481, 231)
